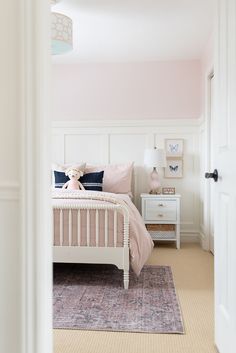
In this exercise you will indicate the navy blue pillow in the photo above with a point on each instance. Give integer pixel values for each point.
(90, 181)
(60, 179)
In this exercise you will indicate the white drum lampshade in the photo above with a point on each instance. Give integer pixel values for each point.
(155, 158)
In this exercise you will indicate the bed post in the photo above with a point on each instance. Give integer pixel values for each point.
(126, 249)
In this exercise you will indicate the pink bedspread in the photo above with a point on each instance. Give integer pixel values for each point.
(141, 243)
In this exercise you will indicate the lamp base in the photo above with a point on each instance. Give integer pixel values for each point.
(154, 183)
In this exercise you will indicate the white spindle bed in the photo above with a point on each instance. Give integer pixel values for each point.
(107, 254)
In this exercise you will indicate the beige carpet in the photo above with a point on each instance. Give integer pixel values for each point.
(193, 274)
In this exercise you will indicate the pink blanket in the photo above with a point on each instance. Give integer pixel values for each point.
(140, 241)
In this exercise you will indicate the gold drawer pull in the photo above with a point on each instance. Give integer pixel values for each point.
(160, 215)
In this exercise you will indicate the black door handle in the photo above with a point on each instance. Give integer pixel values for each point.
(213, 175)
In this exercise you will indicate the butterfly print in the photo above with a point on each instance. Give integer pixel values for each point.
(174, 148)
(174, 168)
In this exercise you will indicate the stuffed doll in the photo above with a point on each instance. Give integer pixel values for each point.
(74, 175)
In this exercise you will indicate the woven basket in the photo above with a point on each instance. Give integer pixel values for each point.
(160, 227)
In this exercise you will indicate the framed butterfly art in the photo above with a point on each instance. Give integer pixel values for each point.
(174, 147)
(174, 168)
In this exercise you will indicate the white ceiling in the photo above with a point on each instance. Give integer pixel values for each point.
(137, 30)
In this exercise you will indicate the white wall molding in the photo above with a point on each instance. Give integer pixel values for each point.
(104, 142)
(127, 123)
(187, 223)
(9, 191)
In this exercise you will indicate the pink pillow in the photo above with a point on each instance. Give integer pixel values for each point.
(117, 177)
(63, 167)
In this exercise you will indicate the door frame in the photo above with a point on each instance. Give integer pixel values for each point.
(35, 201)
(35, 193)
(209, 75)
(205, 129)
(211, 151)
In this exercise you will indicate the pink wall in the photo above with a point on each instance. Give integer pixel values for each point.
(155, 90)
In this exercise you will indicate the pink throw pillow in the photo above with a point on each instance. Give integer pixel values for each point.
(64, 167)
(117, 177)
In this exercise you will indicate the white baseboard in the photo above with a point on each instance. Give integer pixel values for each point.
(189, 237)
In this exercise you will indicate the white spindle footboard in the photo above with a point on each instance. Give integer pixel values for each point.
(66, 251)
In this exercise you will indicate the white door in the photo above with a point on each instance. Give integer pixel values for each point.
(225, 188)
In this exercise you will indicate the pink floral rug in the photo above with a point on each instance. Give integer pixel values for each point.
(91, 297)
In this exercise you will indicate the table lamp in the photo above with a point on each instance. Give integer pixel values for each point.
(155, 158)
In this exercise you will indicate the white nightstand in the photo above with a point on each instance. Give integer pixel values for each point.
(161, 214)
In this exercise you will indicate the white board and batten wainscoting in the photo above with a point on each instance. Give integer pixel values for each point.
(121, 141)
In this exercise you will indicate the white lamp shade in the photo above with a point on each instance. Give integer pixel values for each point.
(154, 157)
